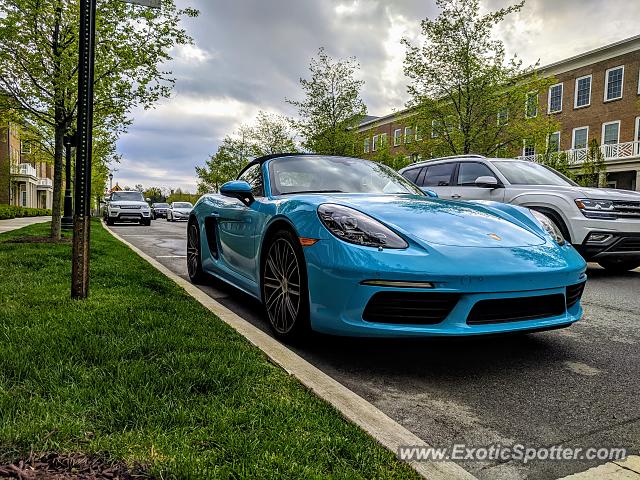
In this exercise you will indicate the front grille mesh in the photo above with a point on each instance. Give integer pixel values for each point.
(574, 293)
(501, 310)
(628, 244)
(626, 209)
(410, 308)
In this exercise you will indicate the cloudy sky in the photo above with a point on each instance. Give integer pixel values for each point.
(249, 55)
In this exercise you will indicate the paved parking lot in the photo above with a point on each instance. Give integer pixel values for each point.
(573, 387)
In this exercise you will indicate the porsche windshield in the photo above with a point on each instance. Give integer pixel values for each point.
(289, 175)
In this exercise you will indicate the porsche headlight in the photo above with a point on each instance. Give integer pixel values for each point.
(355, 227)
(549, 226)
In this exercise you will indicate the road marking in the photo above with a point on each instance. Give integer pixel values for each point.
(171, 256)
(628, 469)
(389, 433)
(582, 369)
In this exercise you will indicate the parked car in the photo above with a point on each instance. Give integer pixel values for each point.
(179, 211)
(347, 246)
(602, 224)
(127, 206)
(159, 210)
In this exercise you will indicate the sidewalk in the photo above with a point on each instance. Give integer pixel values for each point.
(16, 223)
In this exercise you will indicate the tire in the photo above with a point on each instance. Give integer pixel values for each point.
(109, 222)
(194, 254)
(168, 218)
(146, 223)
(285, 292)
(618, 265)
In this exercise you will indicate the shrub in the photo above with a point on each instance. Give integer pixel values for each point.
(12, 211)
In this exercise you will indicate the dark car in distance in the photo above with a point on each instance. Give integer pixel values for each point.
(159, 210)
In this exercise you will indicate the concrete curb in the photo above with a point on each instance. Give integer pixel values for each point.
(354, 408)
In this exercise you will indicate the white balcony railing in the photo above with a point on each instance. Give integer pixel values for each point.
(23, 169)
(45, 182)
(614, 151)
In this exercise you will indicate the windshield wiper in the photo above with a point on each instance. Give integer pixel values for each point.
(312, 191)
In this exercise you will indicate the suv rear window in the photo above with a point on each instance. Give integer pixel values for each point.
(437, 175)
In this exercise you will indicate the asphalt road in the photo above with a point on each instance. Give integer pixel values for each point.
(574, 387)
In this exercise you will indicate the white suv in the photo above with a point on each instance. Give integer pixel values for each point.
(127, 207)
(602, 224)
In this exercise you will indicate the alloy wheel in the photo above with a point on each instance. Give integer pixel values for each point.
(193, 250)
(282, 286)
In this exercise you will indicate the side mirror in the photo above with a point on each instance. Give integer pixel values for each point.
(238, 189)
(147, 200)
(486, 182)
(430, 193)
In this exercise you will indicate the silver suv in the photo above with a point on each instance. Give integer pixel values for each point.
(602, 224)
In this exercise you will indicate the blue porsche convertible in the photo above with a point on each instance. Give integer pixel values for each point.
(349, 247)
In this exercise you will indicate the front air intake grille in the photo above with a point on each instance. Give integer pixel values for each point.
(410, 308)
(501, 310)
(626, 209)
(574, 293)
(628, 244)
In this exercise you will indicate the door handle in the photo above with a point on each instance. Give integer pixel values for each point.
(456, 196)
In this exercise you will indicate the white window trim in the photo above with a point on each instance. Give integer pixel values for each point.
(407, 134)
(524, 148)
(383, 140)
(638, 83)
(559, 138)
(374, 143)
(606, 83)
(367, 145)
(434, 134)
(506, 120)
(561, 85)
(417, 135)
(526, 104)
(397, 137)
(610, 123)
(575, 93)
(25, 147)
(573, 136)
(637, 139)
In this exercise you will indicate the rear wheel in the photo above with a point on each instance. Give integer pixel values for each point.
(284, 287)
(194, 259)
(618, 265)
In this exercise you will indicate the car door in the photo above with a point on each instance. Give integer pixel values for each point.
(237, 227)
(437, 178)
(465, 188)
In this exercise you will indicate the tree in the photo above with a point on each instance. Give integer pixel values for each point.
(383, 155)
(224, 165)
(39, 59)
(332, 108)
(155, 194)
(593, 171)
(467, 97)
(267, 135)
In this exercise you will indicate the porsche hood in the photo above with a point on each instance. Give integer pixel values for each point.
(442, 222)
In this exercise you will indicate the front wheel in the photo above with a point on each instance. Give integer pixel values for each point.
(618, 265)
(109, 222)
(284, 287)
(194, 258)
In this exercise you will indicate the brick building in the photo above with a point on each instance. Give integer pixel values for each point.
(23, 181)
(597, 96)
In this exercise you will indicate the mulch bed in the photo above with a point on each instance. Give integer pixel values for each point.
(38, 240)
(76, 466)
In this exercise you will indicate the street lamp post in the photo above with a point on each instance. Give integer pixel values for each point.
(110, 182)
(67, 218)
(82, 185)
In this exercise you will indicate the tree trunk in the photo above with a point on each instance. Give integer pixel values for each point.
(57, 181)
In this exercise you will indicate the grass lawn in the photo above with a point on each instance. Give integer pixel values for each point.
(141, 372)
